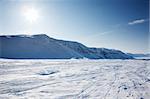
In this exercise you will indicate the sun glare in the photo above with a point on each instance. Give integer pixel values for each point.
(31, 14)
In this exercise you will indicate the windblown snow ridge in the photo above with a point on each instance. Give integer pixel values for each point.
(42, 46)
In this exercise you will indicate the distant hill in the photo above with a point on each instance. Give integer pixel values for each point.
(43, 47)
(139, 55)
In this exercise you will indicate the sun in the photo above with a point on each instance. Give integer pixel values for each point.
(30, 13)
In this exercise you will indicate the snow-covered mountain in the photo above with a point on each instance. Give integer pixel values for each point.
(36, 46)
(81, 49)
(43, 47)
(139, 55)
(110, 53)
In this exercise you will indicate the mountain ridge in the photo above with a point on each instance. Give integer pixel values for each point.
(41, 46)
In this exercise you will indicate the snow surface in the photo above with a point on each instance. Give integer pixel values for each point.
(74, 79)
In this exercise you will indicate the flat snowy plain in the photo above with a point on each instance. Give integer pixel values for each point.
(74, 79)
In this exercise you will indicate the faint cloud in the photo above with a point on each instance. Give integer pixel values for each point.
(104, 33)
(100, 34)
(139, 21)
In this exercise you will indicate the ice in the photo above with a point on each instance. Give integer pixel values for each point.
(74, 79)
(48, 71)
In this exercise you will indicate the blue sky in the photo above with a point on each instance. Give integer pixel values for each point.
(117, 24)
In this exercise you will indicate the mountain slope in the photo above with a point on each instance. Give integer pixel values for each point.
(81, 49)
(95, 53)
(36, 46)
(139, 55)
(111, 53)
(43, 47)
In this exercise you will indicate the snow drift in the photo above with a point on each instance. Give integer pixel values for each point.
(74, 79)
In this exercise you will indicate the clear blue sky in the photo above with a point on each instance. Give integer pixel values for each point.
(117, 24)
